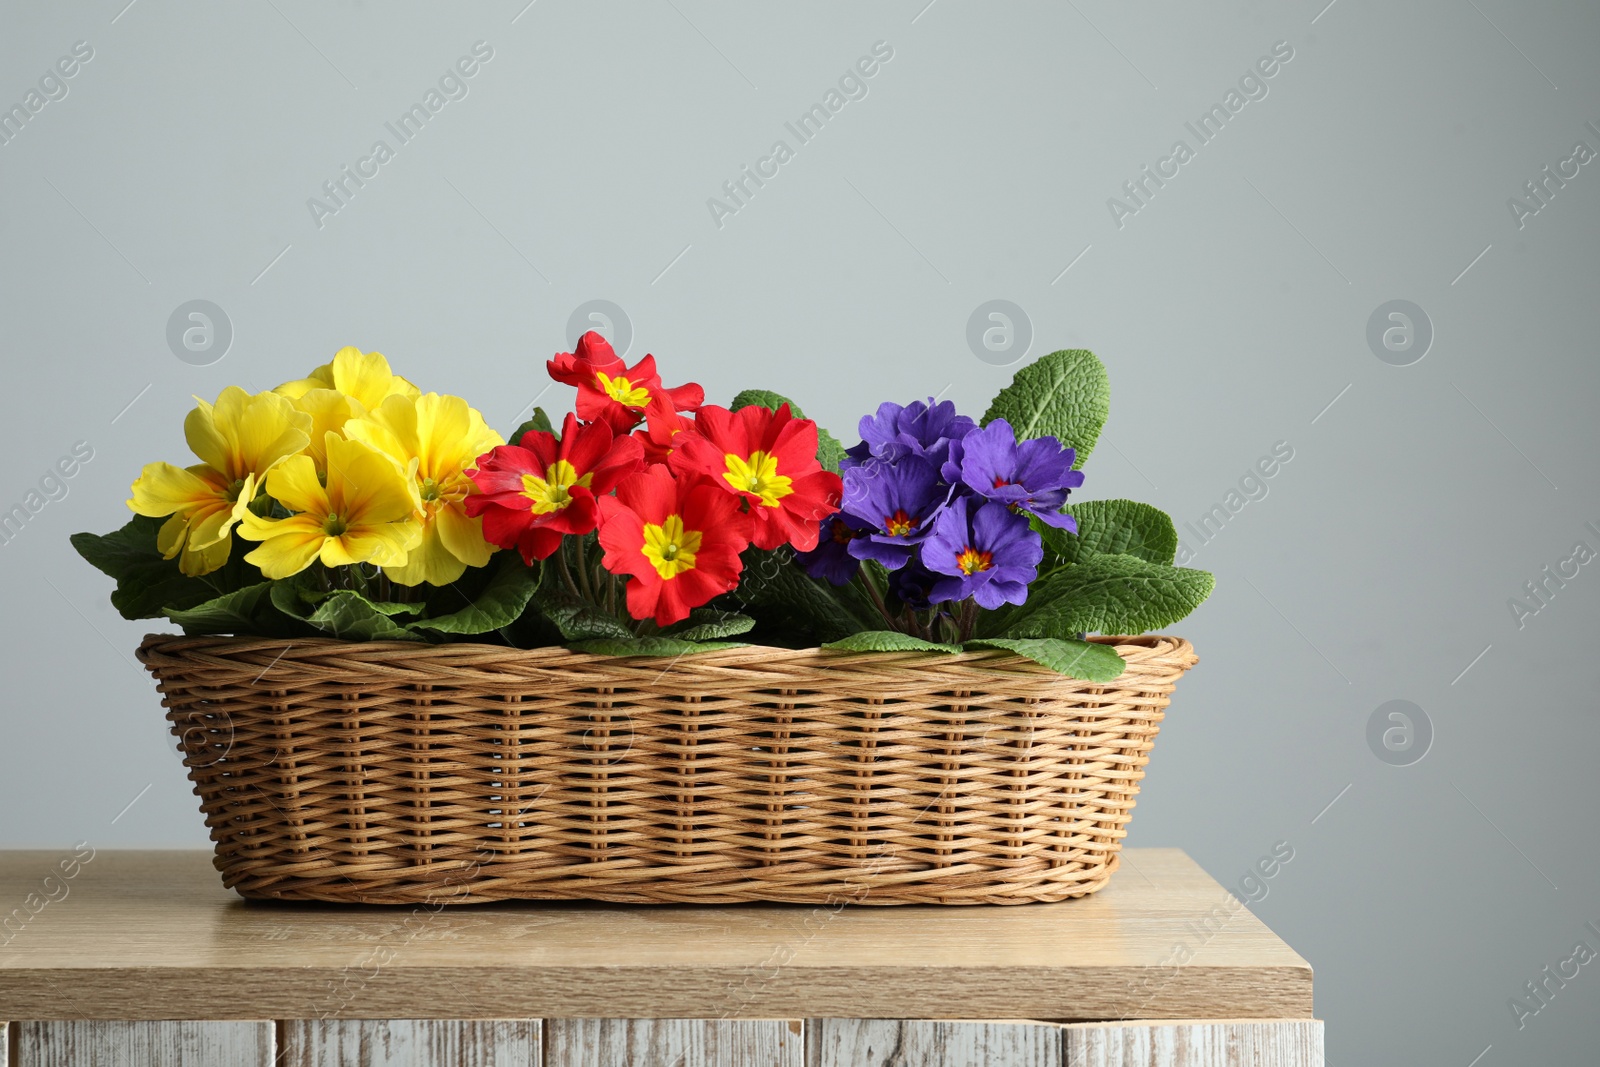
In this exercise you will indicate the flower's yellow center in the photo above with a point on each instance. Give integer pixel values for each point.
(429, 490)
(623, 391)
(669, 547)
(971, 561)
(553, 491)
(759, 475)
(334, 526)
(899, 524)
(234, 488)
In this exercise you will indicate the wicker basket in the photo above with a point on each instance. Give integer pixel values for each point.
(394, 773)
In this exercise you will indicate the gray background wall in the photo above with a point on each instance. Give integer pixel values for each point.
(1232, 310)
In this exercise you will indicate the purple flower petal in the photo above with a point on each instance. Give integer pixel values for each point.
(1035, 476)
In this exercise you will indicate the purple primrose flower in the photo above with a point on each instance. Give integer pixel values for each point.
(984, 550)
(1033, 476)
(913, 584)
(831, 559)
(917, 429)
(895, 501)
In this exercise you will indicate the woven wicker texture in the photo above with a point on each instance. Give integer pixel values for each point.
(394, 773)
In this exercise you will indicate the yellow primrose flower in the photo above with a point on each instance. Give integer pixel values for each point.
(439, 439)
(239, 440)
(329, 409)
(365, 514)
(363, 376)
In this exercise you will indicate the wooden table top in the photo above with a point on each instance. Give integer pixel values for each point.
(154, 935)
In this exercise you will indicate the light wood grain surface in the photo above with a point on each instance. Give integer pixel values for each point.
(144, 1044)
(928, 1043)
(1286, 1043)
(410, 1043)
(675, 1043)
(153, 935)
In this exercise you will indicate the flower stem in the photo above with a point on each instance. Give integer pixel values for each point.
(566, 572)
(969, 618)
(583, 570)
(877, 598)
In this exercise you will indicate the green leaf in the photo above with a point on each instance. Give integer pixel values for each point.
(830, 453)
(347, 614)
(147, 583)
(789, 605)
(539, 421)
(708, 625)
(579, 620)
(1084, 660)
(649, 646)
(765, 398)
(888, 641)
(1113, 527)
(1108, 595)
(1065, 395)
(296, 596)
(244, 611)
(496, 605)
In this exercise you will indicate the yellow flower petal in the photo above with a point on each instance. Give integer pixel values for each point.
(197, 561)
(329, 409)
(173, 533)
(391, 429)
(205, 439)
(255, 528)
(463, 536)
(267, 429)
(162, 489)
(301, 386)
(294, 484)
(443, 426)
(209, 525)
(289, 552)
(243, 434)
(430, 561)
(366, 486)
(366, 376)
(387, 544)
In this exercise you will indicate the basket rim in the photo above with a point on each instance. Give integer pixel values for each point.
(1137, 650)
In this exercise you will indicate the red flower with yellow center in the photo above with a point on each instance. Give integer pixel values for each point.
(679, 539)
(534, 493)
(768, 458)
(610, 391)
(661, 425)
